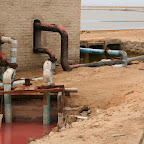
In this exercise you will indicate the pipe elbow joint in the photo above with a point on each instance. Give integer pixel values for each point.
(8, 75)
(67, 68)
(47, 73)
(5, 39)
(13, 43)
(123, 54)
(35, 50)
(47, 65)
(9, 40)
(124, 57)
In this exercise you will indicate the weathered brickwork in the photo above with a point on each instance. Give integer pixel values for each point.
(16, 20)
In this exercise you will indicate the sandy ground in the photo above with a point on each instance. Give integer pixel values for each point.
(124, 35)
(115, 97)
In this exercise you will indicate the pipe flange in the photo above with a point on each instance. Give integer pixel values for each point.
(35, 50)
(106, 51)
(3, 64)
(1, 41)
(13, 65)
(53, 60)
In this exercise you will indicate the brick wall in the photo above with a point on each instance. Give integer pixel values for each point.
(16, 20)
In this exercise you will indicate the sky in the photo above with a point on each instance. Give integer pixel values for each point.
(113, 2)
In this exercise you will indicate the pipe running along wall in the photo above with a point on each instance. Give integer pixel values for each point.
(38, 27)
(64, 40)
(51, 55)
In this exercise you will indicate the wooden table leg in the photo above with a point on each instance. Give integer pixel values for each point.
(1, 109)
(60, 103)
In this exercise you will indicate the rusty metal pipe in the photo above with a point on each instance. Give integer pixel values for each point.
(4, 64)
(50, 53)
(98, 64)
(13, 53)
(46, 51)
(64, 40)
(3, 58)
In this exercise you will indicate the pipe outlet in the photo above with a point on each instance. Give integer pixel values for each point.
(47, 73)
(8, 76)
(124, 58)
(47, 65)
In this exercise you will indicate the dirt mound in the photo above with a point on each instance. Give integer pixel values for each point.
(115, 97)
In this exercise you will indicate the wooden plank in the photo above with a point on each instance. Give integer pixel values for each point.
(1, 111)
(60, 109)
(32, 91)
(73, 90)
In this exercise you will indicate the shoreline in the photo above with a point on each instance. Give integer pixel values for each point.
(114, 6)
(93, 31)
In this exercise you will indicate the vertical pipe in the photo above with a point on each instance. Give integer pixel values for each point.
(45, 109)
(47, 80)
(64, 40)
(53, 68)
(60, 109)
(14, 55)
(1, 104)
(8, 74)
(3, 60)
(7, 103)
(3, 69)
(48, 104)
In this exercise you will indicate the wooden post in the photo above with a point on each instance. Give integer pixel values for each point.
(60, 103)
(1, 104)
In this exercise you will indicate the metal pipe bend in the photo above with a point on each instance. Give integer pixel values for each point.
(8, 76)
(64, 41)
(124, 57)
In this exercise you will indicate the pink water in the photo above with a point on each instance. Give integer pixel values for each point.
(19, 132)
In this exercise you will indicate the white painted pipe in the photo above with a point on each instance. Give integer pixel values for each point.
(7, 79)
(47, 73)
(47, 80)
(8, 75)
(22, 81)
(13, 43)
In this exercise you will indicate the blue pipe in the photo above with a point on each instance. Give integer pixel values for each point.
(92, 51)
(7, 104)
(99, 51)
(48, 104)
(21, 81)
(7, 97)
(46, 108)
(3, 69)
(110, 52)
(47, 80)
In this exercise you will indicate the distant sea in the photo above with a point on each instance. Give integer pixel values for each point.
(111, 18)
